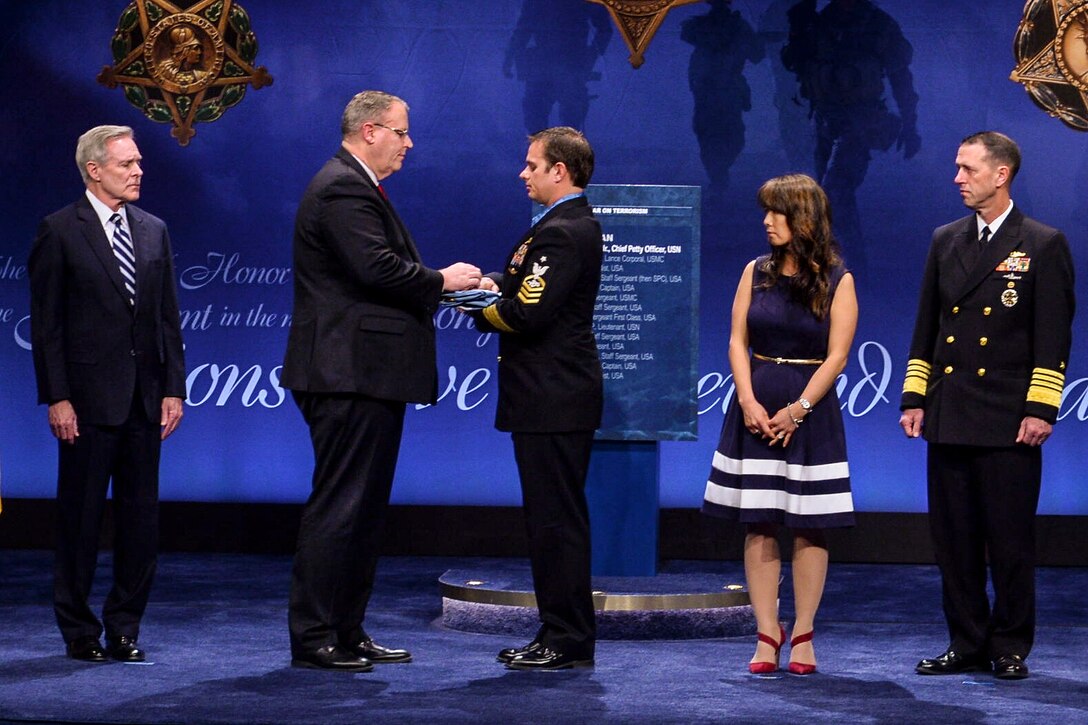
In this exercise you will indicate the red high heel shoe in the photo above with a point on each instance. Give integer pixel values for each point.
(765, 668)
(799, 668)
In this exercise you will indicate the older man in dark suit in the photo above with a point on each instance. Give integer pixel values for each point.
(983, 385)
(361, 346)
(551, 391)
(109, 364)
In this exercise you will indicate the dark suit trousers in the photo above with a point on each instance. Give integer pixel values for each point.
(982, 501)
(129, 454)
(355, 441)
(552, 468)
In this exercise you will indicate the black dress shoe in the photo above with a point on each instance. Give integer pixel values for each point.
(1010, 667)
(86, 649)
(545, 658)
(124, 649)
(377, 654)
(331, 658)
(950, 663)
(505, 655)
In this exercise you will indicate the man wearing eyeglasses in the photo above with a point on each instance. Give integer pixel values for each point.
(361, 346)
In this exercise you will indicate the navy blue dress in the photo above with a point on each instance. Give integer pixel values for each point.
(807, 483)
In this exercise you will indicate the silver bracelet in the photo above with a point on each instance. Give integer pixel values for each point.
(789, 412)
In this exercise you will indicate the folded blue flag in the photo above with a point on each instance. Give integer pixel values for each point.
(473, 299)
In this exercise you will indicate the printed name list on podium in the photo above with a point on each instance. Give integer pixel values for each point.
(647, 315)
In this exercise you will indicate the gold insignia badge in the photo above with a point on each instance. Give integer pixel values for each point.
(1009, 298)
(638, 20)
(184, 65)
(532, 289)
(1051, 49)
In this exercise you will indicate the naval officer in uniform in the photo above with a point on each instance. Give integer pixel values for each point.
(551, 390)
(983, 385)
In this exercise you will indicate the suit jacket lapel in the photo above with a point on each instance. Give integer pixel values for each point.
(96, 240)
(1006, 240)
(405, 237)
(138, 229)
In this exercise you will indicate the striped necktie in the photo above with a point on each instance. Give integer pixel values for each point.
(126, 257)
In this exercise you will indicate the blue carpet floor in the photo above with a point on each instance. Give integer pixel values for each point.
(216, 637)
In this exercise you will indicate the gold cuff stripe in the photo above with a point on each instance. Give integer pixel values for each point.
(491, 314)
(915, 385)
(1046, 387)
(1042, 375)
(917, 379)
(1046, 397)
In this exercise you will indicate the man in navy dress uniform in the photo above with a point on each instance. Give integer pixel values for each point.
(983, 385)
(551, 390)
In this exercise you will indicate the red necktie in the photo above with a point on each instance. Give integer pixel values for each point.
(381, 190)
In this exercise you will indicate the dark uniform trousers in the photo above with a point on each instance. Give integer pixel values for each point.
(978, 497)
(553, 469)
(356, 440)
(129, 455)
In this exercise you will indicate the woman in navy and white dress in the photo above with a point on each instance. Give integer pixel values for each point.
(782, 456)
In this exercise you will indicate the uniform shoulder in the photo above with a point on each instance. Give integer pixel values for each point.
(952, 228)
(1038, 229)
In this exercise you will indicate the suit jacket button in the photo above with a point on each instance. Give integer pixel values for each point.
(950, 339)
(981, 372)
(987, 310)
(983, 340)
(956, 310)
(132, 353)
(948, 370)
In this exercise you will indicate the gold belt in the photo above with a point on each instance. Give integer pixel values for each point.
(786, 360)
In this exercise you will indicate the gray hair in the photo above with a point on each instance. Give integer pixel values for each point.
(366, 106)
(92, 146)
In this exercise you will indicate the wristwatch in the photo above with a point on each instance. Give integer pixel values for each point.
(804, 404)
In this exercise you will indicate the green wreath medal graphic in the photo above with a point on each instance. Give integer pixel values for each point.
(184, 65)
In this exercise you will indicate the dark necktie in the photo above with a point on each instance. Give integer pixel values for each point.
(983, 238)
(126, 257)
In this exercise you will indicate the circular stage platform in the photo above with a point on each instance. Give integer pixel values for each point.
(666, 606)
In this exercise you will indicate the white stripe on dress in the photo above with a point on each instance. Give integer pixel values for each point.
(757, 498)
(771, 467)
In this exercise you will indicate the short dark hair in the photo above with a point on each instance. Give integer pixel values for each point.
(566, 145)
(999, 147)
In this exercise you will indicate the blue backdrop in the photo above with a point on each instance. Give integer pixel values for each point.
(466, 67)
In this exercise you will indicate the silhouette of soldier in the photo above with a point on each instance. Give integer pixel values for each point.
(554, 48)
(794, 127)
(841, 56)
(723, 41)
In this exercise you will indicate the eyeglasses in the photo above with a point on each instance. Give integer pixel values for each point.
(401, 132)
